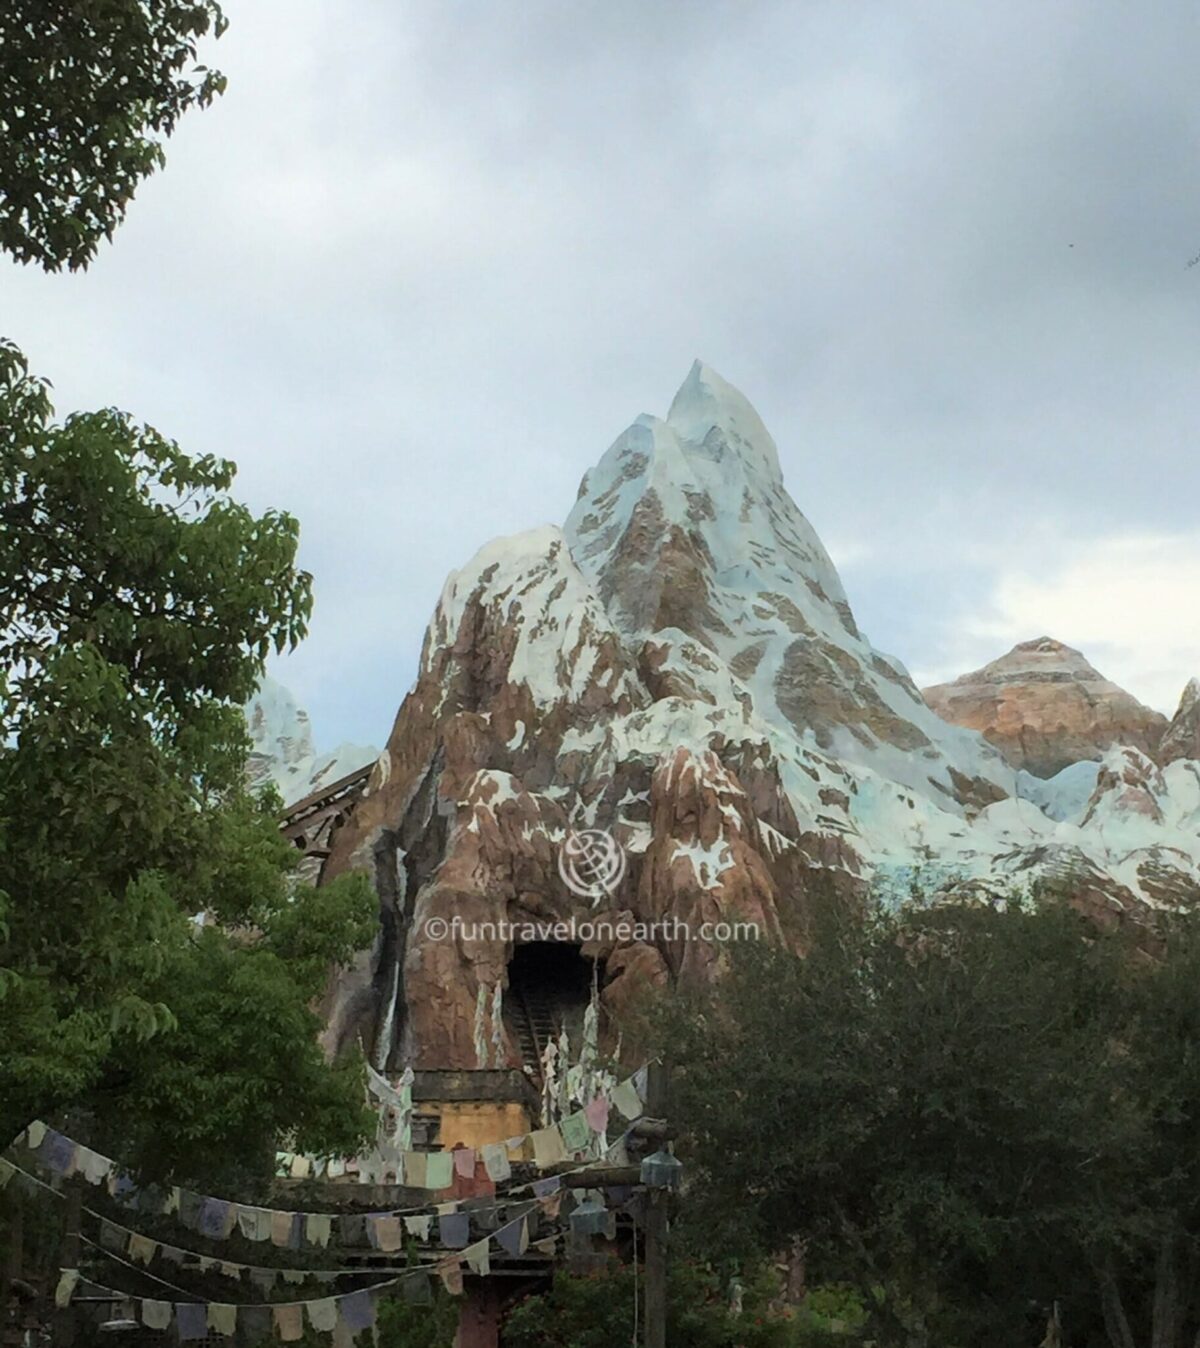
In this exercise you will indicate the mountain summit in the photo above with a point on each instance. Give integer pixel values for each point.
(706, 402)
(704, 563)
(679, 666)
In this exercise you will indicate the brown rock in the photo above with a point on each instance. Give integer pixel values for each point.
(1045, 707)
(1182, 737)
(461, 821)
(1128, 784)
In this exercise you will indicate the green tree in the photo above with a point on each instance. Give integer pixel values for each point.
(967, 1112)
(138, 601)
(89, 91)
(1148, 1266)
(596, 1310)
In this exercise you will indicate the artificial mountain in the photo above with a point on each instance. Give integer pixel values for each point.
(679, 665)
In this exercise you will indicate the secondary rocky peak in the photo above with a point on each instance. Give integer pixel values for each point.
(280, 730)
(1042, 660)
(1044, 706)
(1182, 737)
(1128, 783)
(282, 751)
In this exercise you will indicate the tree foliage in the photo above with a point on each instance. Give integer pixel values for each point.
(138, 601)
(970, 1113)
(597, 1310)
(89, 90)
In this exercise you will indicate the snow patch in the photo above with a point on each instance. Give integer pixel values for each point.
(282, 750)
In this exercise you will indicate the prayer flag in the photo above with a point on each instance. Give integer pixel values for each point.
(357, 1311)
(513, 1237)
(141, 1249)
(68, 1279)
(576, 1132)
(454, 1229)
(191, 1320)
(627, 1100)
(323, 1314)
(388, 1234)
(222, 1318)
(439, 1170)
(317, 1228)
(548, 1147)
(289, 1321)
(415, 1169)
(451, 1274)
(156, 1314)
(216, 1218)
(496, 1163)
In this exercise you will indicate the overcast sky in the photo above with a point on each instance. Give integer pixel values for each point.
(425, 261)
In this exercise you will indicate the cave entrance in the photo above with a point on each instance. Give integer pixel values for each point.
(549, 989)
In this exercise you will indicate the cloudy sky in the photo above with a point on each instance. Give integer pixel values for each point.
(425, 260)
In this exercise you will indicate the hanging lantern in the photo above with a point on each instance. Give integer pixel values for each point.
(662, 1171)
(589, 1218)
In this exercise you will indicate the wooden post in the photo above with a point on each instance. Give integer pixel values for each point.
(656, 1225)
(72, 1248)
(13, 1269)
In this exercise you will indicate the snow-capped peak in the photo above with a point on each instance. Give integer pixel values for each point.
(280, 729)
(693, 545)
(716, 420)
(703, 485)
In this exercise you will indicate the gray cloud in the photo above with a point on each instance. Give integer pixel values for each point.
(425, 262)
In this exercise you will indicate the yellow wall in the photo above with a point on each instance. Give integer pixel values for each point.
(477, 1123)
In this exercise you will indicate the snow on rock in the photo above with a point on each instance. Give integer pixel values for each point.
(282, 750)
(680, 665)
(1064, 796)
(704, 561)
(549, 625)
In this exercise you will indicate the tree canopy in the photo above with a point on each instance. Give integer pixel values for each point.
(89, 91)
(970, 1114)
(138, 601)
(159, 967)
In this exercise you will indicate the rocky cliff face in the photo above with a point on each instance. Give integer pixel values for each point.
(1182, 737)
(678, 665)
(1045, 707)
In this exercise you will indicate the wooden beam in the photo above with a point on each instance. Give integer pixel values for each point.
(595, 1177)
